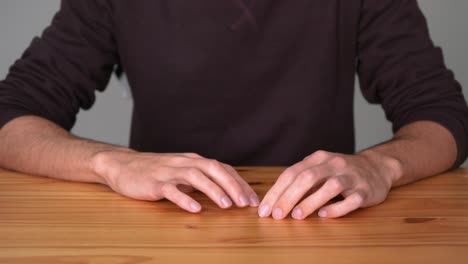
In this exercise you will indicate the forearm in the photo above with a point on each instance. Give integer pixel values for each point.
(420, 149)
(37, 146)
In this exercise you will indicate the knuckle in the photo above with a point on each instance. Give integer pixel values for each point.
(308, 176)
(311, 156)
(192, 155)
(216, 168)
(229, 169)
(178, 159)
(193, 173)
(213, 165)
(338, 162)
(216, 193)
(234, 185)
(158, 169)
(288, 174)
(365, 187)
(336, 184)
(359, 198)
(321, 154)
(166, 189)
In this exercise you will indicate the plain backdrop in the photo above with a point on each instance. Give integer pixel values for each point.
(109, 119)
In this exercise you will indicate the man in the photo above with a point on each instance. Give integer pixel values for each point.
(237, 82)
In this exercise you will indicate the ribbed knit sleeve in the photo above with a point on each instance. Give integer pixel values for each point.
(61, 70)
(400, 68)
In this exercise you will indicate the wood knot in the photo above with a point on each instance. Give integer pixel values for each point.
(417, 220)
(191, 226)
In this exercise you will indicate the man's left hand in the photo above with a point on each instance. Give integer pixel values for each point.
(363, 180)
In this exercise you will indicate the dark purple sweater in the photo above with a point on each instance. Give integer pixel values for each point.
(248, 82)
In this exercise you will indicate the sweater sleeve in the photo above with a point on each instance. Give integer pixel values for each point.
(61, 70)
(400, 68)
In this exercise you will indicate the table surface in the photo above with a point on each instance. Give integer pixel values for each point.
(48, 221)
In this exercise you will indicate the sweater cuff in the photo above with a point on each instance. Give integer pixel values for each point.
(7, 115)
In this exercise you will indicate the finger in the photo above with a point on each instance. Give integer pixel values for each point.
(185, 188)
(215, 171)
(318, 157)
(330, 189)
(286, 178)
(202, 183)
(191, 155)
(270, 198)
(341, 208)
(304, 182)
(179, 198)
(224, 179)
(253, 197)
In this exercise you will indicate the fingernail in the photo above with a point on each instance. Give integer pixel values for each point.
(243, 200)
(254, 201)
(263, 212)
(277, 213)
(322, 213)
(195, 206)
(297, 213)
(226, 202)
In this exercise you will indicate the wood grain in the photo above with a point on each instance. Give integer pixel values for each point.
(48, 221)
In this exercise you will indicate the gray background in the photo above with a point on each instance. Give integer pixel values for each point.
(109, 119)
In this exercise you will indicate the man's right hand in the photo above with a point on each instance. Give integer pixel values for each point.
(152, 177)
(34, 145)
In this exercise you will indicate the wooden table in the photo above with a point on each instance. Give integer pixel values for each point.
(48, 221)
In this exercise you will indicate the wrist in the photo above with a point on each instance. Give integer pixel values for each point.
(104, 163)
(387, 166)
